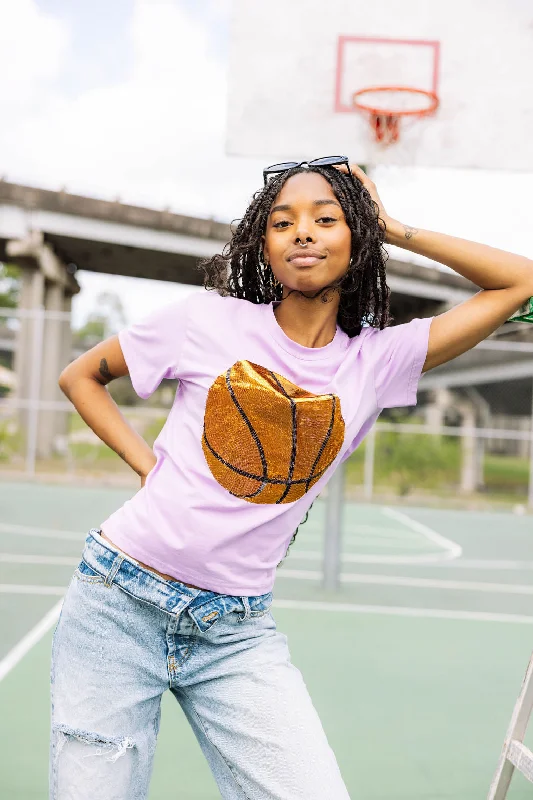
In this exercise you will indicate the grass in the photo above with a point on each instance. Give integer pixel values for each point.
(505, 473)
(405, 461)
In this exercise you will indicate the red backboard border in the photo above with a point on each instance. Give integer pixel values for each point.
(341, 107)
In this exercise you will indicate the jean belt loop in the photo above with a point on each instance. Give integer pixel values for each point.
(115, 566)
(247, 610)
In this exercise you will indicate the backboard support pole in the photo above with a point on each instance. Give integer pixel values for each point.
(333, 532)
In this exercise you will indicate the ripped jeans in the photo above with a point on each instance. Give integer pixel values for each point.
(124, 636)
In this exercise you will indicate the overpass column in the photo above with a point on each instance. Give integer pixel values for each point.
(46, 284)
(51, 420)
(31, 299)
(435, 411)
(65, 357)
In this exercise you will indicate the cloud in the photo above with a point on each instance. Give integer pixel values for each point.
(155, 137)
(33, 45)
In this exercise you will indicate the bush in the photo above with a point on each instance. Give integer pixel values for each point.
(11, 439)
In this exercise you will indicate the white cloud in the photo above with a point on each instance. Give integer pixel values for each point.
(155, 138)
(33, 45)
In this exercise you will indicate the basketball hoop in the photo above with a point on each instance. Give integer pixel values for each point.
(386, 105)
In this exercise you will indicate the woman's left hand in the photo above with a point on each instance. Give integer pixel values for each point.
(370, 186)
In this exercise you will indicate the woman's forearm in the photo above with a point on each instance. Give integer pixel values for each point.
(485, 266)
(95, 405)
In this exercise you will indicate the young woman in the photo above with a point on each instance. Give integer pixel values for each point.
(282, 371)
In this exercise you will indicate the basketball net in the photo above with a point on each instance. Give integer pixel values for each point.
(386, 106)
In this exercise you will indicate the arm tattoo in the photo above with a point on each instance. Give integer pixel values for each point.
(409, 232)
(104, 371)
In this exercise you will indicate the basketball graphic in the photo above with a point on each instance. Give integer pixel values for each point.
(265, 439)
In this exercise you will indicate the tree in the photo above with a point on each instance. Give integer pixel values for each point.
(108, 318)
(9, 287)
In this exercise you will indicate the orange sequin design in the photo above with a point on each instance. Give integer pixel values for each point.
(265, 439)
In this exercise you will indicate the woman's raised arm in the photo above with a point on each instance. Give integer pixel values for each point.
(506, 281)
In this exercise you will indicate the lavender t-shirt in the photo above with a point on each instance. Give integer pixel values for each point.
(257, 427)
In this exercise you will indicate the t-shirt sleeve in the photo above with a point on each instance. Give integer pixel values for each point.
(399, 356)
(152, 347)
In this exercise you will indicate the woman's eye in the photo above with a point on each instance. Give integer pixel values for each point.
(327, 219)
(283, 223)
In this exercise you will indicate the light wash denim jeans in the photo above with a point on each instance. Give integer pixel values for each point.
(125, 635)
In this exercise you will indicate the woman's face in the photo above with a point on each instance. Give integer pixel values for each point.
(306, 210)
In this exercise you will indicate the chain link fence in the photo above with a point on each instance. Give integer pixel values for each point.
(403, 458)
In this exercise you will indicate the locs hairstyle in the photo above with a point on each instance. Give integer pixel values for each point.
(241, 272)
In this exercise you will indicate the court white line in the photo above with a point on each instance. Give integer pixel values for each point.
(412, 583)
(462, 563)
(43, 533)
(18, 652)
(398, 611)
(351, 532)
(382, 543)
(26, 588)
(374, 558)
(391, 542)
(374, 530)
(53, 561)
(452, 549)
(487, 564)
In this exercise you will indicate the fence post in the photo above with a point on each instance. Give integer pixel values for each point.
(370, 453)
(333, 532)
(35, 388)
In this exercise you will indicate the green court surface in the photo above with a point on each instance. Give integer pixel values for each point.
(414, 665)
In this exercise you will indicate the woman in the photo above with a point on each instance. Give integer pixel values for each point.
(283, 370)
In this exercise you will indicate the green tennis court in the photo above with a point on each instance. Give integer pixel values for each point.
(414, 664)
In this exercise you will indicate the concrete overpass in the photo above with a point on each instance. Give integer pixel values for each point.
(53, 234)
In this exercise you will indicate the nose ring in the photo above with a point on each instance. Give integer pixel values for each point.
(303, 244)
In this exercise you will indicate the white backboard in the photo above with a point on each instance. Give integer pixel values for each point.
(296, 64)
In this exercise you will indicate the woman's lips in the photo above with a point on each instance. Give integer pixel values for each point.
(301, 257)
(305, 260)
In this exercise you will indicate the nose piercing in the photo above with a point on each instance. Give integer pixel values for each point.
(303, 244)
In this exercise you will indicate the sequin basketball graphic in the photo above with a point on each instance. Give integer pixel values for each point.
(265, 439)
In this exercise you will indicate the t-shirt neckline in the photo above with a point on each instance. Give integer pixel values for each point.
(337, 344)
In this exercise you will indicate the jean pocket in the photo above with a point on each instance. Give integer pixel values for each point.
(84, 572)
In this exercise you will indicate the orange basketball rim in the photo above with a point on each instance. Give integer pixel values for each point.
(385, 107)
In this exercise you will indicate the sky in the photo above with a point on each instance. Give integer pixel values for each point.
(126, 99)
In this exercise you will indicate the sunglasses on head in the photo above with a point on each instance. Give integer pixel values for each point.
(326, 161)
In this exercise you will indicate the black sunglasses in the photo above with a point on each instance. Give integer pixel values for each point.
(326, 161)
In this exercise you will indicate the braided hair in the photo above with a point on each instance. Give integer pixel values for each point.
(239, 271)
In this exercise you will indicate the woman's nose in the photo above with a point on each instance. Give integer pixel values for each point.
(303, 238)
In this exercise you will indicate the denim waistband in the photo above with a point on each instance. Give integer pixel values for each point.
(172, 597)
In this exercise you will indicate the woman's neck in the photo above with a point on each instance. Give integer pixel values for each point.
(309, 322)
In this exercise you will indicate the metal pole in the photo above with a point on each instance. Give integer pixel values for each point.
(333, 532)
(530, 487)
(35, 388)
(370, 453)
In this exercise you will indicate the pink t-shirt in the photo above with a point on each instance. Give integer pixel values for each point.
(257, 427)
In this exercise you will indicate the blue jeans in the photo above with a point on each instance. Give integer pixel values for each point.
(125, 635)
